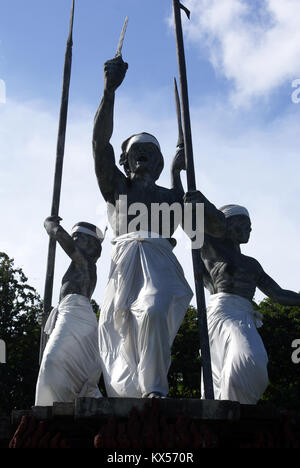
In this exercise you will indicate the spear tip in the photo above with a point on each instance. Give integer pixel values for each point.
(70, 38)
(186, 10)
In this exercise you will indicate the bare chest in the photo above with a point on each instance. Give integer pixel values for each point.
(141, 208)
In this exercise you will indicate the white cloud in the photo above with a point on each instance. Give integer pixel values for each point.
(254, 44)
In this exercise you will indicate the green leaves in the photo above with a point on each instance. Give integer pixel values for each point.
(281, 327)
(184, 374)
(19, 308)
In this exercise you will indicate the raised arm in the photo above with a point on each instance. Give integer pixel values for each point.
(271, 289)
(105, 167)
(214, 220)
(55, 230)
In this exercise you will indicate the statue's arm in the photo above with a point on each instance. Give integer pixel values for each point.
(214, 220)
(271, 289)
(105, 167)
(64, 239)
(178, 165)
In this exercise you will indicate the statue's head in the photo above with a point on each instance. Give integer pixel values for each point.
(238, 223)
(141, 154)
(89, 238)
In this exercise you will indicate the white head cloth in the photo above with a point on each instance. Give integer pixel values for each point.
(234, 210)
(142, 138)
(98, 234)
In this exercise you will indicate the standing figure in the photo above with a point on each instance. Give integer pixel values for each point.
(239, 358)
(71, 367)
(147, 294)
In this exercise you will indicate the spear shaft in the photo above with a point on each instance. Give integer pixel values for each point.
(191, 185)
(60, 149)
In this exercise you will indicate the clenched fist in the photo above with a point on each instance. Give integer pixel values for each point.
(114, 73)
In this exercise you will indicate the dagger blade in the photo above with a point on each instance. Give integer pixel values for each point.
(121, 40)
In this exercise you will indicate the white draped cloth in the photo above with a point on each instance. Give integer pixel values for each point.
(144, 304)
(238, 356)
(70, 367)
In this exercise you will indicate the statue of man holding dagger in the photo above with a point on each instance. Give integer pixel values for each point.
(147, 294)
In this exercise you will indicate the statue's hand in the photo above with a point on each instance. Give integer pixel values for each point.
(51, 223)
(194, 196)
(179, 161)
(114, 73)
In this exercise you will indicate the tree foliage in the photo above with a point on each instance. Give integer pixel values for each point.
(184, 374)
(280, 328)
(19, 308)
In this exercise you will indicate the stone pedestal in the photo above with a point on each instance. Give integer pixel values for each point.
(164, 424)
(99, 408)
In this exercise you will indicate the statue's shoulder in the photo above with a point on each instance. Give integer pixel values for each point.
(169, 194)
(252, 262)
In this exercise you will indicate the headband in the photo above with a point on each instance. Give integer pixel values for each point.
(234, 210)
(98, 234)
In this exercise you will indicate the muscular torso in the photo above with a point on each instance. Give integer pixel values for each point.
(79, 279)
(228, 270)
(133, 217)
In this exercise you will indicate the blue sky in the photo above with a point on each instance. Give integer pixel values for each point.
(242, 57)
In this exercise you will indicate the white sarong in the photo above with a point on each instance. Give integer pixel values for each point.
(70, 367)
(238, 356)
(144, 304)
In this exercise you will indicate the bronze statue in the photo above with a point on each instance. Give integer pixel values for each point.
(147, 294)
(239, 359)
(70, 366)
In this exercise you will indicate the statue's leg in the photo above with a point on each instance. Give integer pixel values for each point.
(244, 375)
(153, 348)
(239, 359)
(71, 365)
(52, 384)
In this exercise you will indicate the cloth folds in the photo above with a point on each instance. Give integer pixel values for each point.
(238, 356)
(70, 367)
(144, 304)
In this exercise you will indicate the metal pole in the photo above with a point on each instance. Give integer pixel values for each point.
(191, 185)
(57, 180)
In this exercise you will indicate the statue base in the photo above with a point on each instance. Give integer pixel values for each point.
(165, 425)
